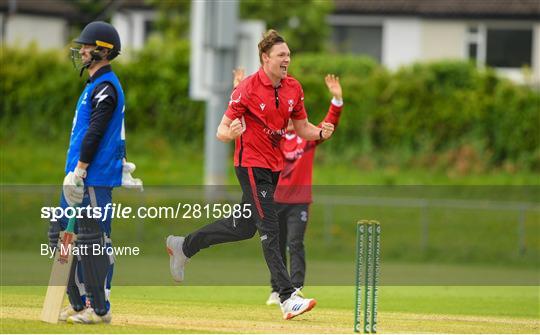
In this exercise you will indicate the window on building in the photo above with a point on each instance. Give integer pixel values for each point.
(476, 44)
(499, 47)
(149, 28)
(361, 40)
(509, 48)
(473, 51)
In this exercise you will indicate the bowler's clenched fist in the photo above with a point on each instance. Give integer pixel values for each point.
(327, 130)
(235, 129)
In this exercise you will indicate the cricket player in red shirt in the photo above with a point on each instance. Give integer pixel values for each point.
(256, 118)
(293, 193)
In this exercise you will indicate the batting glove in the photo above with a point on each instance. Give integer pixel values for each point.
(74, 187)
(127, 179)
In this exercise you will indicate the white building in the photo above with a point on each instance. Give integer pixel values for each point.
(504, 34)
(48, 22)
(135, 21)
(45, 22)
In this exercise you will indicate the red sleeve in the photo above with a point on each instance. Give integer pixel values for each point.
(299, 111)
(333, 115)
(237, 103)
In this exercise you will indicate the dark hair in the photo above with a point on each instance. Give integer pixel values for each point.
(270, 38)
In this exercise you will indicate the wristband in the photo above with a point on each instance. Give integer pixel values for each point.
(336, 102)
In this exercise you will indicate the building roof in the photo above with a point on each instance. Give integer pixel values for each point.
(61, 8)
(516, 9)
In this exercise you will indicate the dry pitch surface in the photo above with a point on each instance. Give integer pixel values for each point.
(230, 309)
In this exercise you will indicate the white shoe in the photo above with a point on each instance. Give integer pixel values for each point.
(177, 259)
(273, 299)
(90, 317)
(296, 305)
(67, 312)
(298, 291)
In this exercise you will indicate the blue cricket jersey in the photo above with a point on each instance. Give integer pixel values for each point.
(105, 169)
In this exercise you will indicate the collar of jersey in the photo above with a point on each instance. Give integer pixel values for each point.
(101, 71)
(265, 80)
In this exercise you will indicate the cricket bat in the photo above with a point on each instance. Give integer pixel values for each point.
(58, 281)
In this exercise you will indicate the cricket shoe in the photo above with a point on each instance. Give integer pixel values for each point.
(177, 259)
(296, 305)
(298, 291)
(273, 299)
(90, 317)
(67, 312)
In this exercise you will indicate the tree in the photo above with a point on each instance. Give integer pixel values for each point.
(301, 22)
(173, 19)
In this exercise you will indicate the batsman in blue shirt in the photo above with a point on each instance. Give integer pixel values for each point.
(95, 164)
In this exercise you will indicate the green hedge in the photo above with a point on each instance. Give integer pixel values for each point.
(426, 108)
(40, 91)
(439, 113)
(156, 84)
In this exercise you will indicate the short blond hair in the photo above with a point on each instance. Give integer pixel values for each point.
(269, 39)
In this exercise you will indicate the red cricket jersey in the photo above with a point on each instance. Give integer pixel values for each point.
(265, 112)
(294, 185)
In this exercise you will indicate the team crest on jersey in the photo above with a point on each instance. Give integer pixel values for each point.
(262, 107)
(233, 100)
(290, 136)
(291, 103)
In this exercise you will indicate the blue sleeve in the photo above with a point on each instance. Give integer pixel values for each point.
(104, 100)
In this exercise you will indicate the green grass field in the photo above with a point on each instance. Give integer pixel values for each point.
(240, 309)
(463, 246)
(163, 163)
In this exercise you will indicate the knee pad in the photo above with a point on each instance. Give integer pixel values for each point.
(95, 263)
(73, 289)
(54, 234)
